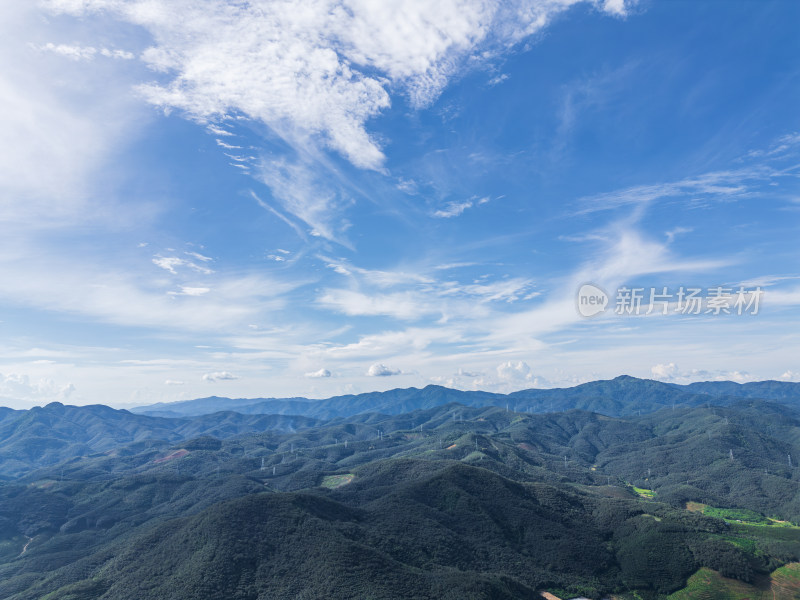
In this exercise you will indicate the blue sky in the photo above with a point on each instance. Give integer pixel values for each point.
(325, 197)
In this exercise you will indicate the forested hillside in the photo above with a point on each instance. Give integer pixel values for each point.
(621, 396)
(450, 501)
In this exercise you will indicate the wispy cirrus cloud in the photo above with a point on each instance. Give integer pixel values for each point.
(78, 53)
(219, 376)
(417, 292)
(105, 292)
(377, 277)
(302, 193)
(59, 131)
(190, 291)
(453, 209)
(477, 331)
(171, 263)
(316, 74)
(717, 186)
(402, 305)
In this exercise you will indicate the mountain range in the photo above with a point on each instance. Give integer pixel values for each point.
(621, 396)
(628, 487)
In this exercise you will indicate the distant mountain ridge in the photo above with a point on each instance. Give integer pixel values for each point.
(478, 501)
(762, 390)
(621, 396)
(45, 436)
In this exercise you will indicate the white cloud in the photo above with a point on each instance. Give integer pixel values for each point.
(276, 63)
(767, 280)
(297, 185)
(781, 297)
(473, 331)
(174, 382)
(453, 209)
(615, 7)
(671, 373)
(219, 376)
(665, 372)
(508, 290)
(514, 371)
(417, 292)
(402, 305)
(790, 376)
(673, 233)
(18, 390)
(215, 130)
(227, 146)
(117, 54)
(280, 215)
(737, 376)
(409, 186)
(319, 374)
(509, 376)
(315, 74)
(71, 52)
(168, 263)
(190, 291)
(112, 291)
(462, 373)
(171, 263)
(378, 278)
(410, 341)
(199, 256)
(62, 123)
(340, 269)
(447, 299)
(381, 370)
(717, 186)
(79, 53)
(786, 142)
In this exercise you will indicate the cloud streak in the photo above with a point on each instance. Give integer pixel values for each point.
(381, 370)
(79, 53)
(314, 74)
(219, 376)
(454, 209)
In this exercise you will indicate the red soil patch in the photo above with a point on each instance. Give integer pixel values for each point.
(176, 454)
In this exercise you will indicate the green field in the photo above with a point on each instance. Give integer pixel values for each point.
(738, 515)
(782, 584)
(336, 481)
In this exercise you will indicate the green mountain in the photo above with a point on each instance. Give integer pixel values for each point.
(621, 396)
(448, 501)
(396, 401)
(48, 435)
(765, 390)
